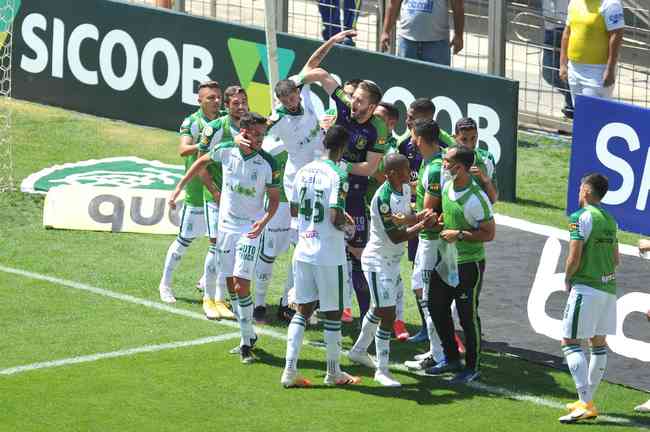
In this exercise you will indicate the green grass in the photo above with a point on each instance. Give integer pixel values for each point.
(202, 387)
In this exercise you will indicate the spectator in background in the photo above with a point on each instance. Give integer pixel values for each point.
(330, 12)
(554, 12)
(424, 29)
(167, 4)
(590, 44)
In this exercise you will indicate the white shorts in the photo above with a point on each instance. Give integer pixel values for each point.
(277, 233)
(327, 284)
(586, 79)
(384, 287)
(237, 254)
(589, 312)
(424, 264)
(192, 222)
(211, 218)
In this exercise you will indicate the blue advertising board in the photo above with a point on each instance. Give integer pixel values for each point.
(613, 138)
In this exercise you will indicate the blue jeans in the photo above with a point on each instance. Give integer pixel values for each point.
(551, 64)
(330, 12)
(430, 51)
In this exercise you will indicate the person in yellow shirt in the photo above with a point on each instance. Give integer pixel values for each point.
(590, 45)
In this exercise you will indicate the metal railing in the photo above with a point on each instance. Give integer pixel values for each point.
(540, 99)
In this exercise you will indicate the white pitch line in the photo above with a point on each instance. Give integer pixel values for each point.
(113, 354)
(277, 335)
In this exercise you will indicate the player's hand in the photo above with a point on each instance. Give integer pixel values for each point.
(644, 245)
(327, 122)
(398, 218)
(476, 171)
(216, 195)
(241, 140)
(567, 286)
(340, 37)
(258, 227)
(173, 198)
(384, 41)
(609, 76)
(564, 73)
(457, 43)
(450, 236)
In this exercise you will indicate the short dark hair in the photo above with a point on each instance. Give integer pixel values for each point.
(427, 129)
(422, 105)
(393, 161)
(391, 109)
(372, 89)
(353, 82)
(210, 84)
(464, 156)
(231, 91)
(285, 87)
(598, 183)
(251, 119)
(466, 123)
(336, 138)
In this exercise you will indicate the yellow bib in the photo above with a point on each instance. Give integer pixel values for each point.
(589, 41)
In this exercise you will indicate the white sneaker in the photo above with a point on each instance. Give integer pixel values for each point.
(644, 408)
(341, 378)
(291, 378)
(421, 356)
(420, 364)
(166, 294)
(362, 358)
(386, 379)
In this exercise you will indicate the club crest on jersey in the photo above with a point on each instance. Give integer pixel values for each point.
(384, 208)
(254, 176)
(207, 130)
(345, 186)
(361, 143)
(573, 226)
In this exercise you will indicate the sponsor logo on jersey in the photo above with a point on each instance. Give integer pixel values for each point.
(118, 172)
(361, 143)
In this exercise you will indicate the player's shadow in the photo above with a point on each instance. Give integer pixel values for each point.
(190, 301)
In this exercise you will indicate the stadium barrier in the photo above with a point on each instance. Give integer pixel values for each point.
(610, 137)
(143, 65)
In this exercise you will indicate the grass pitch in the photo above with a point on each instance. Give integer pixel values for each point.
(201, 386)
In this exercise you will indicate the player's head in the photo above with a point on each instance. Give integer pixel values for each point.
(210, 98)
(425, 135)
(289, 95)
(458, 161)
(421, 108)
(389, 113)
(364, 101)
(397, 169)
(236, 101)
(593, 188)
(336, 138)
(253, 127)
(466, 132)
(350, 86)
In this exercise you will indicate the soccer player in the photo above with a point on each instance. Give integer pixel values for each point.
(248, 174)
(318, 202)
(368, 135)
(329, 118)
(192, 217)
(425, 136)
(224, 128)
(294, 138)
(590, 279)
(468, 224)
(484, 169)
(381, 259)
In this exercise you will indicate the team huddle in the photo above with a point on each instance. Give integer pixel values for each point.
(350, 198)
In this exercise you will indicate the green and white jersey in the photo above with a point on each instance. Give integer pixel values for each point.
(192, 127)
(381, 253)
(465, 209)
(299, 134)
(216, 131)
(597, 228)
(277, 149)
(484, 160)
(245, 180)
(429, 183)
(319, 186)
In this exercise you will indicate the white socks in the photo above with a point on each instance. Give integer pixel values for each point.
(295, 335)
(174, 254)
(246, 320)
(597, 366)
(577, 363)
(332, 330)
(368, 330)
(382, 347)
(210, 273)
(263, 273)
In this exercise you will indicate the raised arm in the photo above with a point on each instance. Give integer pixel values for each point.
(198, 166)
(186, 146)
(320, 53)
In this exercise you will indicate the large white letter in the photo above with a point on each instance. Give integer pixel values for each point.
(621, 130)
(443, 103)
(113, 38)
(153, 47)
(84, 31)
(58, 47)
(488, 133)
(191, 74)
(642, 200)
(38, 63)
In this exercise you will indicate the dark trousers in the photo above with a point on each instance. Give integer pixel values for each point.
(551, 64)
(330, 12)
(466, 295)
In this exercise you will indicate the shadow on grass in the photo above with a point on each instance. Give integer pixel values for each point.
(538, 204)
